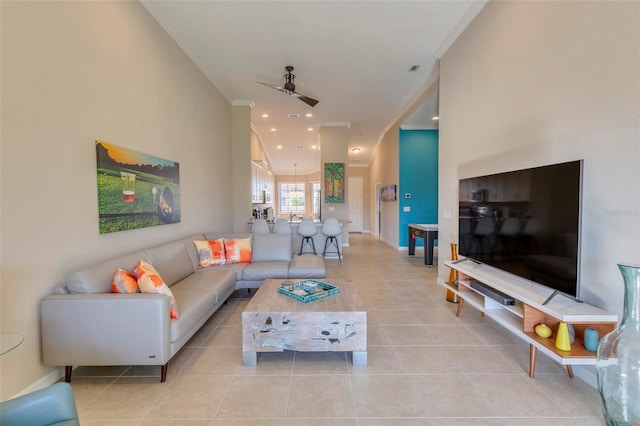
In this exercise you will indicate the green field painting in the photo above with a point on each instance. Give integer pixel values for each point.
(135, 190)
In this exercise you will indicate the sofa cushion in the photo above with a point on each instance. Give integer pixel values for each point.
(227, 235)
(97, 278)
(191, 248)
(271, 247)
(236, 268)
(307, 266)
(264, 270)
(210, 252)
(238, 250)
(150, 281)
(124, 282)
(219, 281)
(194, 303)
(172, 261)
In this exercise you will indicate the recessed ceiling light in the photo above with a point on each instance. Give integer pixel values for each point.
(310, 129)
(356, 150)
(313, 146)
(279, 146)
(265, 115)
(435, 117)
(308, 114)
(273, 129)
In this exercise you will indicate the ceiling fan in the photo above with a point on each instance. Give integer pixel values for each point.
(290, 88)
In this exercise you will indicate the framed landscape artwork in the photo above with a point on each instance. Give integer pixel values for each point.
(334, 182)
(135, 190)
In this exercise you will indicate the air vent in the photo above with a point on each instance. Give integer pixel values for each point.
(414, 68)
(292, 115)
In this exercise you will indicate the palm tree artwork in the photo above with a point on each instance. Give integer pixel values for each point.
(334, 182)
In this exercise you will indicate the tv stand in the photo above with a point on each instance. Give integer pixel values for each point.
(534, 304)
(556, 293)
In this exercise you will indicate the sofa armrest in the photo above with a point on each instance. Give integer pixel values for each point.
(105, 329)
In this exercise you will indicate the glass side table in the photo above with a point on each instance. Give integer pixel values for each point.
(9, 341)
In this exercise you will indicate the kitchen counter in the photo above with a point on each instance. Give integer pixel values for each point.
(318, 240)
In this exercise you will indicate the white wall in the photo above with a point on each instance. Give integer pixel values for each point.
(72, 73)
(533, 83)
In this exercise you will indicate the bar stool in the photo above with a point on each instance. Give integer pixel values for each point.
(331, 229)
(260, 226)
(281, 226)
(307, 230)
(482, 232)
(507, 235)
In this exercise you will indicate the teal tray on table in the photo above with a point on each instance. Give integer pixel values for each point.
(309, 290)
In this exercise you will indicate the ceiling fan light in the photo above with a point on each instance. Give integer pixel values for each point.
(355, 150)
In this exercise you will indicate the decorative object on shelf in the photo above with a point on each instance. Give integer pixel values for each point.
(591, 339)
(572, 333)
(543, 330)
(562, 337)
(453, 276)
(617, 360)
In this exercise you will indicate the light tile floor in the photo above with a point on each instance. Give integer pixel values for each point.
(425, 367)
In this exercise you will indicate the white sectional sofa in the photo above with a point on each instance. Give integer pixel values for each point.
(84, 323)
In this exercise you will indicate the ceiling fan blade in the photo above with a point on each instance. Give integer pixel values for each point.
(307, 100)
(273, 86)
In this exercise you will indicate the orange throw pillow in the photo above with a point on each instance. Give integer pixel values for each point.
(211, 252)
(124, 282)
(238, 250)
(150, 281)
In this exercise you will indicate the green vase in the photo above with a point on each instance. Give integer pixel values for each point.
(618, 358)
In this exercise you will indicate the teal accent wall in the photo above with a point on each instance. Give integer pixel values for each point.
(419, 177)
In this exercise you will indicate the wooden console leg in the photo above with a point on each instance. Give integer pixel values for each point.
(163, 372)
(570, 371)
(460, 305)
(67, 373)
(532, 360)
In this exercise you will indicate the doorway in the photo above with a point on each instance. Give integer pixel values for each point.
(355, 196)
(378, 209)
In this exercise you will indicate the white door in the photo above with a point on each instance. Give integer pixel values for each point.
(378, 211)
(355, 203)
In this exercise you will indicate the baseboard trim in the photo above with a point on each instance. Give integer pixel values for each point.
(47, 380)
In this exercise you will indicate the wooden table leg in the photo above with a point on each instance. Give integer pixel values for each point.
(532, 360)
(460, 305)
(570, 371)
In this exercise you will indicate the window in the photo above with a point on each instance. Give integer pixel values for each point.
(315, 199)
(291, 196)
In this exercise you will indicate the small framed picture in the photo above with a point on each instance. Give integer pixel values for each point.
(388, 193)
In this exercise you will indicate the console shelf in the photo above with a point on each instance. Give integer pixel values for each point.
(531, 308)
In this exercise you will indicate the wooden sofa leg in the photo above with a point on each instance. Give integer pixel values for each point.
(163, 372)
(67, 373)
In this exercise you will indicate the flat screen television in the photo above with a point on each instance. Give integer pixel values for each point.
(525, 222)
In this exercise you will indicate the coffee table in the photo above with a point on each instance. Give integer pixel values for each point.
(273, 322)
